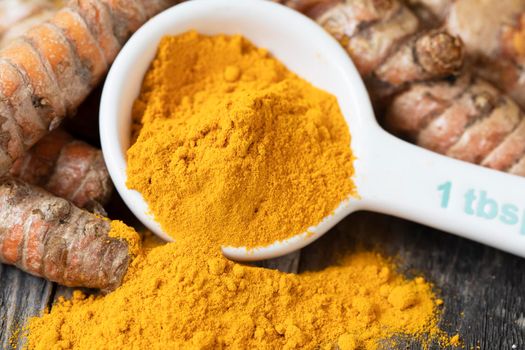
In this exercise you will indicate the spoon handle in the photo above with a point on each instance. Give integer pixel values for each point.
(477, 203)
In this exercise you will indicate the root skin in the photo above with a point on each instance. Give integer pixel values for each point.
(49, 237)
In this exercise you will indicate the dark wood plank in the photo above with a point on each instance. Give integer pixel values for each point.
(21, 296)
(288, 263)
(61, 292)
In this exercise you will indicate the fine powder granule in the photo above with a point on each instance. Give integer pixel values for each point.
(175, 297)
(211, 154)
(233, 145)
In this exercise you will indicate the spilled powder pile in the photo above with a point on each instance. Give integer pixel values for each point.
(175, 299)
(234, 145)
(233, 149)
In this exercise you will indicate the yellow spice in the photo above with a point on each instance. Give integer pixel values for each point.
(123, 231)
(176, 299)
(234, 146)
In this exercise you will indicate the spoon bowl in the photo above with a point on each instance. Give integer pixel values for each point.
(391, 176)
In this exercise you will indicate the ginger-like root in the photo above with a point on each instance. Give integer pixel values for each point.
(67, 168)
(48, 71)
(430, 55)
(49, 237)
(369, 30)
(493, 33)
(434, 11)
(494, 37)
(385, 40)
(17, 16)
(468, 119)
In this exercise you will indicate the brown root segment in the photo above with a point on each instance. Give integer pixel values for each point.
(49, 237)
(311, 8)
(433, 10)
(47, 72)
(494, 37)
(68, 168)
(493, 33)
(17, 16)
(383, 39)
(370, 31)
(467, 119)
(434, 54)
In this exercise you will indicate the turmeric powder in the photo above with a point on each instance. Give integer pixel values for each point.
(118, 229)
(234, 146)
(216, 142)
(174, 298)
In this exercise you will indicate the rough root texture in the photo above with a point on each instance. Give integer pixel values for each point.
(46, 73)
(49, 237)
(384, 40)
(493, 33)
(68, 168)
(467, 119)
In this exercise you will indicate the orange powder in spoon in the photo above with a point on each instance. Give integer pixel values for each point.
(232, 145)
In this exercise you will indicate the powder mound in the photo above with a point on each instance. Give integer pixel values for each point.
(233, 146)
(175, 299)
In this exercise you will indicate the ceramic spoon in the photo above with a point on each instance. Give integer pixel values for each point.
(392, 176)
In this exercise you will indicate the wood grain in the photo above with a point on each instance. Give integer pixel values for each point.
(287, 263)
(21, 296)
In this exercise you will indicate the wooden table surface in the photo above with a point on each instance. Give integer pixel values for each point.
(483, 288)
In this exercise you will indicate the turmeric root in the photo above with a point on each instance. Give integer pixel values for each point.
(468, 119)
(493, 33)
(431, 55)
(68, 168)
(434, 11)
(16, 16)
(383, 39)
(48, 71)
(49, 237)
(63, 166)
(495, 43)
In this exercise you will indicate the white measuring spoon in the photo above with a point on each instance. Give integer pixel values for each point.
(392, 176)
